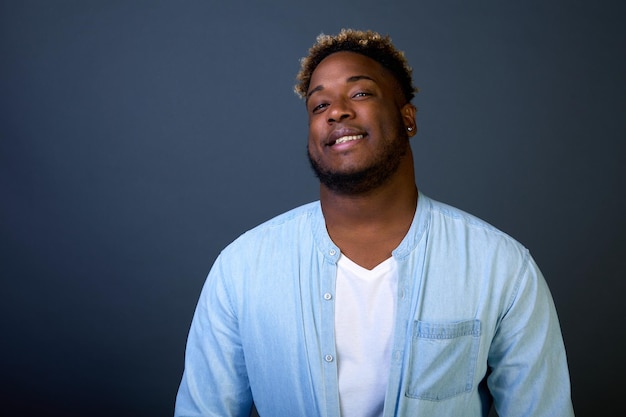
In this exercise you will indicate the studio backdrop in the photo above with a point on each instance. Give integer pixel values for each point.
(138, 138)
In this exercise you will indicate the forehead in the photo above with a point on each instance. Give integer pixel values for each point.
(340, 66)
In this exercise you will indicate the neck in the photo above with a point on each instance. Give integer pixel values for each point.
(368, 226)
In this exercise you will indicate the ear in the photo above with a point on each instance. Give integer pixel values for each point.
(408, 116)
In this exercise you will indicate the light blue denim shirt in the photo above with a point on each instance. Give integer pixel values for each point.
(475, 321)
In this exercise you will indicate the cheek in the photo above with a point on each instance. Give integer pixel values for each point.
(394, 123)
(316, 130)
(311, 142)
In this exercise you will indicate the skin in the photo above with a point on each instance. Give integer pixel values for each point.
(351, 95)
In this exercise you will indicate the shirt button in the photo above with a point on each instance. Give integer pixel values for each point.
(328, 358)
(332, 252)
(328, 296)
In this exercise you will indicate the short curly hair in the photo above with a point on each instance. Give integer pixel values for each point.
(368, 43)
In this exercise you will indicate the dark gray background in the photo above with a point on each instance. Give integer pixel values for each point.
(137, 139)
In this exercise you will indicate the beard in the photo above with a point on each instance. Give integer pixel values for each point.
(365, 179)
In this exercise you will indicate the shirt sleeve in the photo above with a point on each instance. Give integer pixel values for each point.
(529, 374)
(215, 381)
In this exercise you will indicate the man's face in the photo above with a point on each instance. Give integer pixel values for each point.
(357, 123)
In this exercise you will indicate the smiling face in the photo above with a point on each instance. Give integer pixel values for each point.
(357, 123)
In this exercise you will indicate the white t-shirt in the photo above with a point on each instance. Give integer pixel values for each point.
(365, 302)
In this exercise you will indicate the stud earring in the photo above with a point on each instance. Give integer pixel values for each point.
(410, 129)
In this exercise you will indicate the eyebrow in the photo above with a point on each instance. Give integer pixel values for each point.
(351, 79)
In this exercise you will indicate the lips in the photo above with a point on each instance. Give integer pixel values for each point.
(344, 135)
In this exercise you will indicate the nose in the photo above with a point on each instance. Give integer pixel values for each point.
(339, 111)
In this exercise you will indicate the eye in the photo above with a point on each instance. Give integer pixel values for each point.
(319, 108)
(361, 94)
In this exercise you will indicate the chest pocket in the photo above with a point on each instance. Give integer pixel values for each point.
(443, 359)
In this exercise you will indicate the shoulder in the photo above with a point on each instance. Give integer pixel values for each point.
(464, 248)
(448, 213)
(279, 230)
(450, 223)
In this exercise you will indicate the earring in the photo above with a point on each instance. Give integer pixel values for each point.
(410, 129)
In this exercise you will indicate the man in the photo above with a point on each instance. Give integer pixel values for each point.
(376, 300)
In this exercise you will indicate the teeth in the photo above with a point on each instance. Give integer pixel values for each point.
(348, 138)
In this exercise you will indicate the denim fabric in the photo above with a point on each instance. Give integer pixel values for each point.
(443, 355)
(475, 323)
